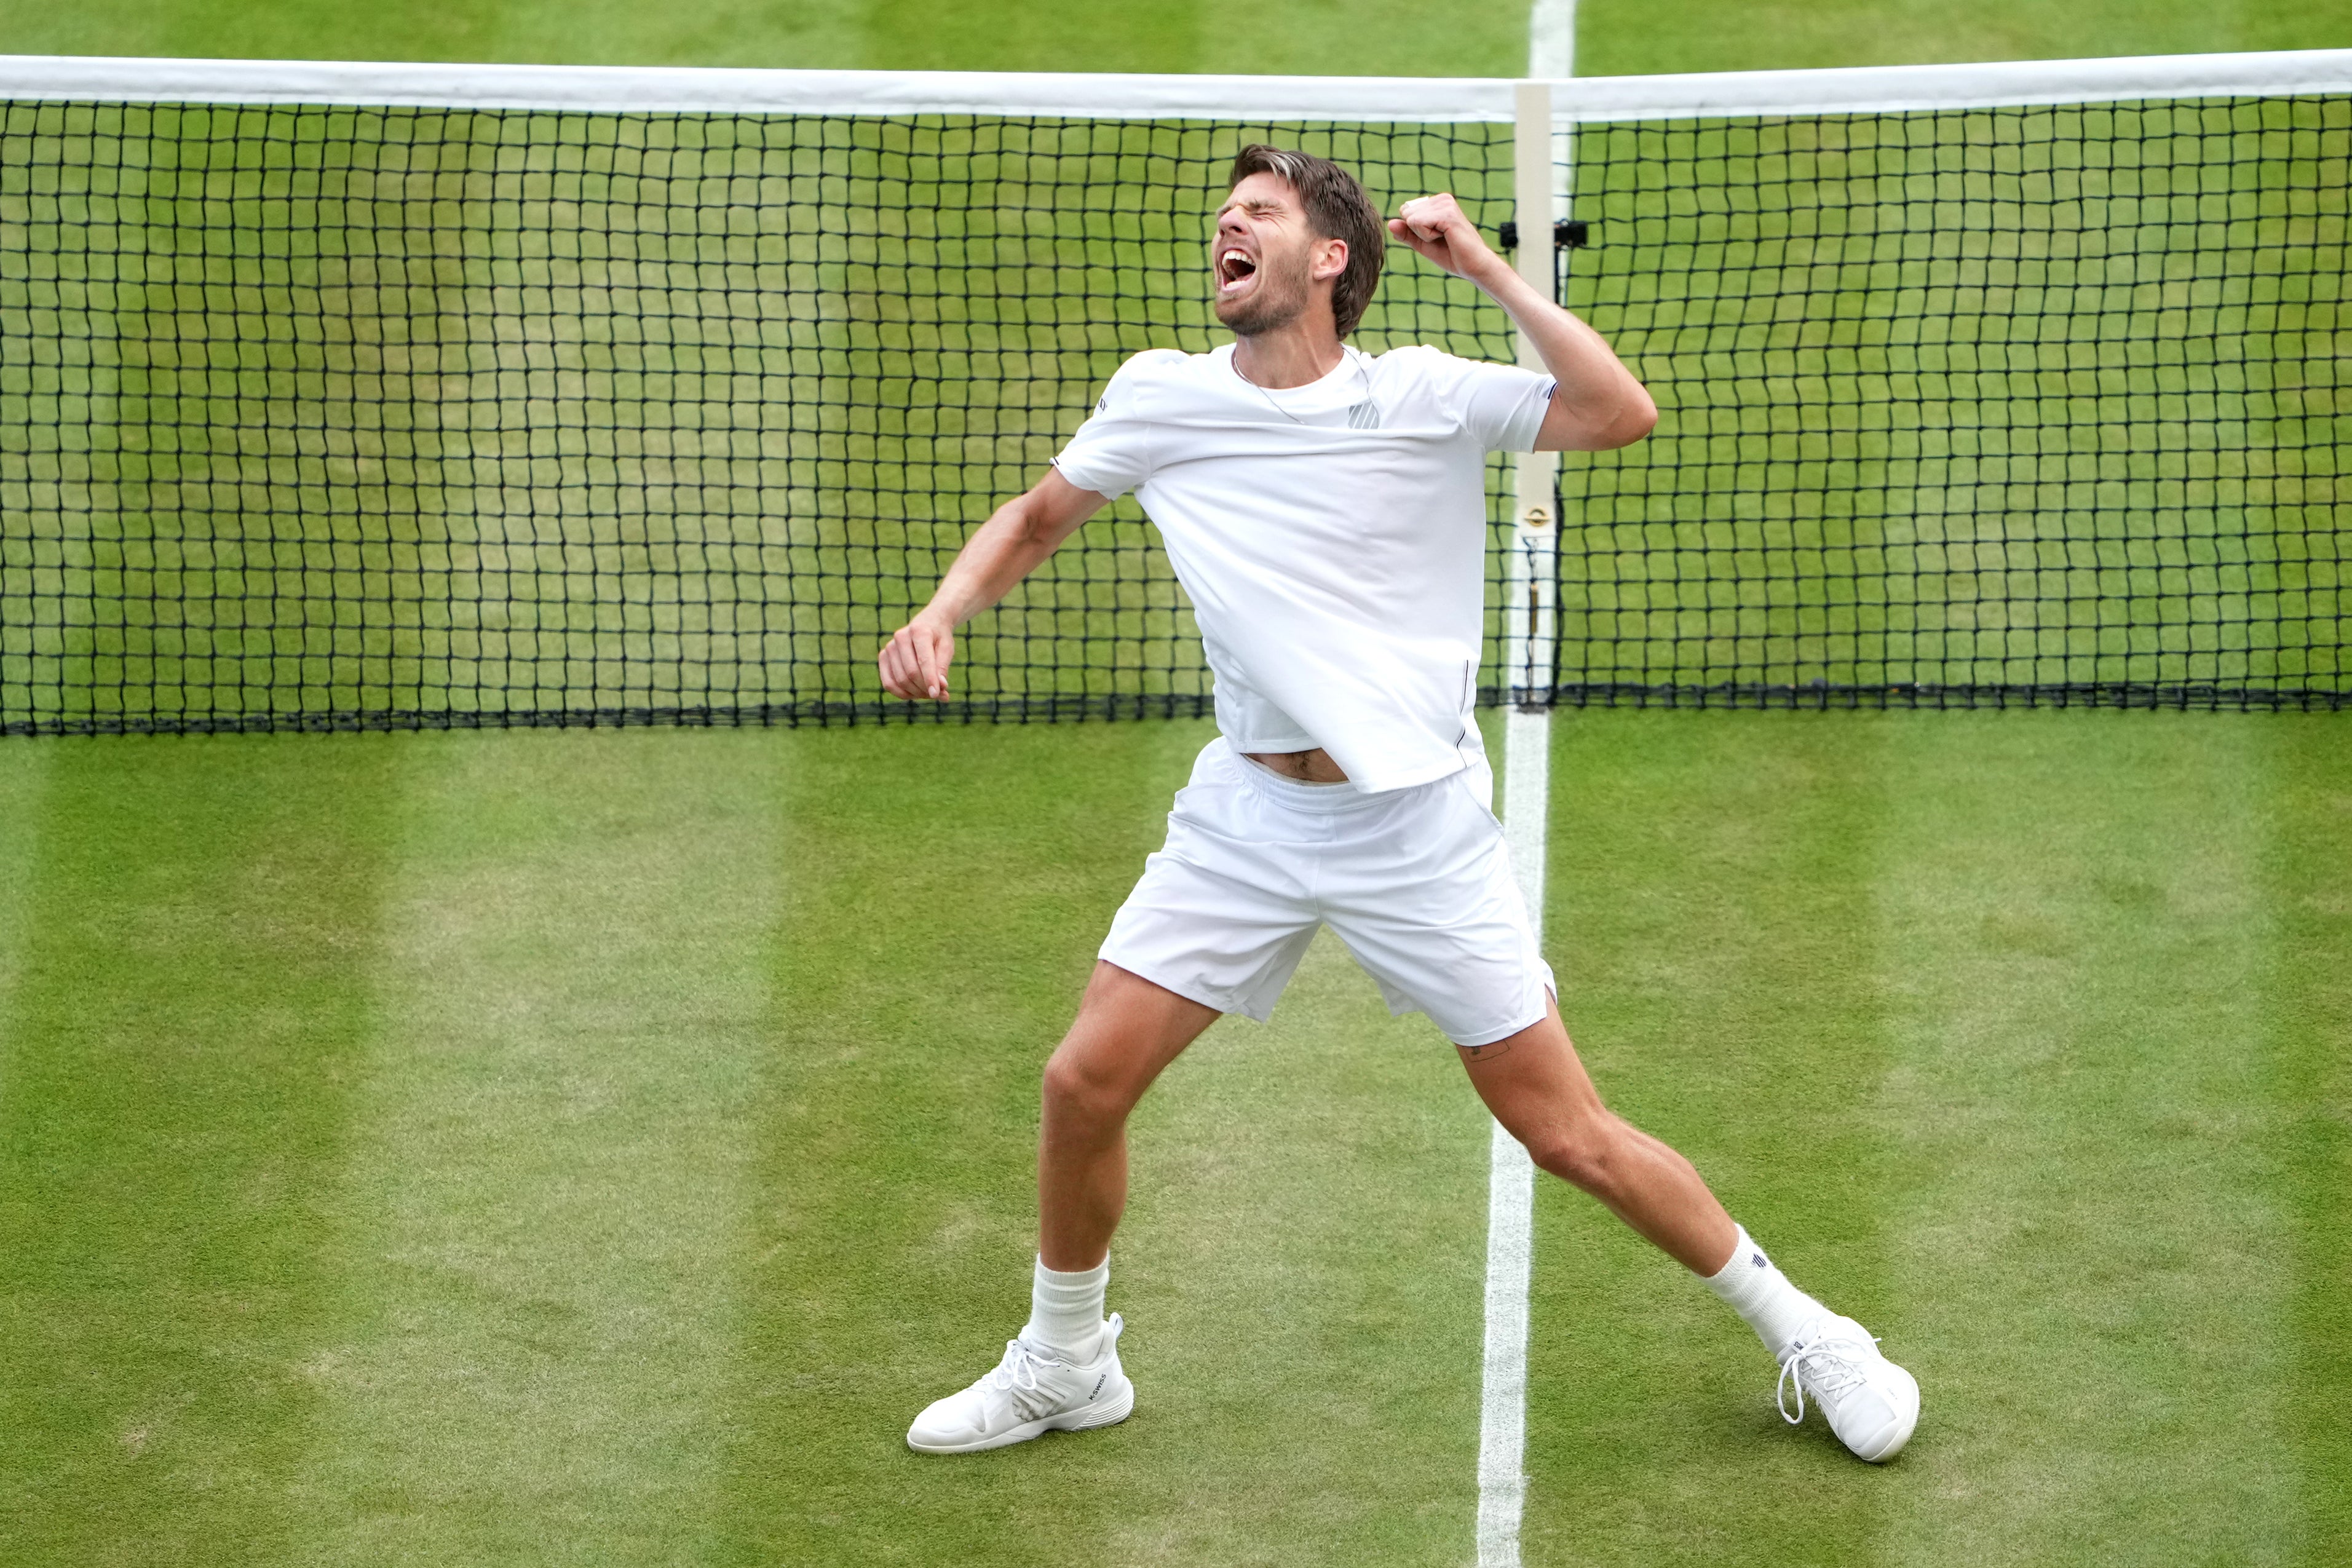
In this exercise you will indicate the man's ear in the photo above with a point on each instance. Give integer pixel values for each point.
(1328, 259)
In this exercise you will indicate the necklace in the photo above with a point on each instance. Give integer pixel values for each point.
(1345, 354)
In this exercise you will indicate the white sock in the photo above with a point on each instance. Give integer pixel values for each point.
(1065, 1311)
(1755, 1288)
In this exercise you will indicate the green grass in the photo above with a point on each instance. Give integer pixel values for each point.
(541, 1247)
(1374, 38)
(1711, 914)
(1313, 36)
(591, 1148)
(947, 890)
(184, 1032)
(2307, 1016)
(1974, 1019)
(1699, 35)
(582, 1148)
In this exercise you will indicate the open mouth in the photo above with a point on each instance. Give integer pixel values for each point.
(1233, 269)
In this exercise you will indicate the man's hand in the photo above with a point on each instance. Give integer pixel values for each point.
(1005, 548)
(1438, 228)
(915, 660)
(1596, 403)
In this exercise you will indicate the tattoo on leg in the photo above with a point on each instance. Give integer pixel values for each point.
(1474, 1054)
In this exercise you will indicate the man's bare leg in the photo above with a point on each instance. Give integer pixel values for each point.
(1538, 1090)
(1127, 1031)
(1062, 1374)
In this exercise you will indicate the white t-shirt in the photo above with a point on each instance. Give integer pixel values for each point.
(1332, 537)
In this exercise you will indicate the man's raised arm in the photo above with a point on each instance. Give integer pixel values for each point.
(1596, 403)
(1005, 548)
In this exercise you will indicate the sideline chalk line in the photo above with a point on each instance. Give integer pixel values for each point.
(1510, 1178)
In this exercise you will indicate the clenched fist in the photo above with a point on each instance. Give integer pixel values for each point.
(1437, 227)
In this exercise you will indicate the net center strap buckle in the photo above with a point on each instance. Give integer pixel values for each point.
(1567, 233)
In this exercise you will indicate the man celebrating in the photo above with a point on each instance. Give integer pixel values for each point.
(1325, 510)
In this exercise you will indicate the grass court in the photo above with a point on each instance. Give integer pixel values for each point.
(592, 1148)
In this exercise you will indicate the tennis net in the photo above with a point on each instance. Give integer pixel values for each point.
(2034, 403)
(341, 397)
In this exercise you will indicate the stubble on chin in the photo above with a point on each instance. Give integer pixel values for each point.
(1268, 309)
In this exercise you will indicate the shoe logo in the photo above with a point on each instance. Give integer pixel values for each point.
(1759, 1261)
(1098, 1382)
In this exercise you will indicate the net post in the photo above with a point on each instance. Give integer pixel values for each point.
(1527, 617)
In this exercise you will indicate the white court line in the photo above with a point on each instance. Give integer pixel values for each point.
(1551, 39)
(1526, 798)
(1511, 1190)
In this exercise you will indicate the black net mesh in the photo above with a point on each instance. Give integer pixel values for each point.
(326, 416)
(2040, 405)
(317, 416)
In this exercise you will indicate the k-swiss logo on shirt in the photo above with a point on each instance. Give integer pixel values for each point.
(1364, 416)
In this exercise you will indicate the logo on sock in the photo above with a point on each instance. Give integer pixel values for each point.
(1759, 1261)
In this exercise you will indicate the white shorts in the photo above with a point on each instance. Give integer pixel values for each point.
(1415, 882)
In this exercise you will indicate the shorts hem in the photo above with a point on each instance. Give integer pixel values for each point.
(1488, 1036)
(1199, 993)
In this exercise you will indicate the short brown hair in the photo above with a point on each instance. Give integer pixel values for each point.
(1337, 208)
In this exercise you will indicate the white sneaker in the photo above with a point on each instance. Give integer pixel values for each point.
(1871, 1403)
(1031, 1393)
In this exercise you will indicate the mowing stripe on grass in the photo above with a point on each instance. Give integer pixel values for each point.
(182, 1045)
(2308, 988)
(2092, 1258)
(551, 1171)
(1382, 38)
(948, 888)
(1710, 916)
(24, 773)
(1299, 1268)
(1306, 1254)
(1658, 36)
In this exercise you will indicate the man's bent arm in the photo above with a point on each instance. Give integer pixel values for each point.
(1596, 403)
(1004, 550)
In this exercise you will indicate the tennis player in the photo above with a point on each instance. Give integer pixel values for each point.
(1325, 510)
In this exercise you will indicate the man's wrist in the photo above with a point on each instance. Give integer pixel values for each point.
(1493, 275)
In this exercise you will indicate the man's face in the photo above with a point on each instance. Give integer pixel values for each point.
(1265, 257)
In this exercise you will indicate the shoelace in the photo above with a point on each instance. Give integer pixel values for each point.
(1017, 1373)
(1831, 1356)
(1019, 1368)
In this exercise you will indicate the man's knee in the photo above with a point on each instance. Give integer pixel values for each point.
(1584, 1152)
(1078, 1089)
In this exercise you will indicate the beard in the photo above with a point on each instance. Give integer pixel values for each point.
(1280, 298)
